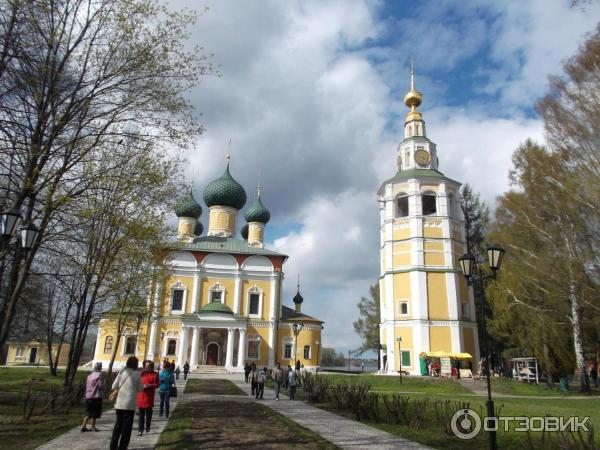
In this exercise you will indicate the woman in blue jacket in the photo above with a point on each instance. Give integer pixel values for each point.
(166, 380)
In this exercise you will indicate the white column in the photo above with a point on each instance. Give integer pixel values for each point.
(272, 332)
(237, 300)
(194, 355)
(182, 353)
(229, 355)
(154, 322)
(241, 349)
(196, 293)
(273, 297)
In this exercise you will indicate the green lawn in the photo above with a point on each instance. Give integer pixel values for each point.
(503, 386)
(432, 432)
(20, 434)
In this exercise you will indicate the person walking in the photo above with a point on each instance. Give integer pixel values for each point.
(186, 370)
(145, 399)
(94, 393)
(292, 384)
(166, 381)
(246, 371)
(260, 383)
(253, 379)
(127, 384)
(177, 372)
(278, 377)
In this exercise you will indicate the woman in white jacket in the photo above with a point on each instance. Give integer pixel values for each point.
(129, 383)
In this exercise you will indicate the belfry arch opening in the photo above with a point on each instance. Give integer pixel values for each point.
(402, 205)
(429, 203)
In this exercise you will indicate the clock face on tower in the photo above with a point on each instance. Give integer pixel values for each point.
(422, 157)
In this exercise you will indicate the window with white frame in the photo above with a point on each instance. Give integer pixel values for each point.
(402, 308)
(217, 294)
(177, 299)
(20, 352)
(253, 347)
(108, 344)
(287, 351)
(402, 205)
(130, 343)
(254, 302)
(307, 352)
(171, 347)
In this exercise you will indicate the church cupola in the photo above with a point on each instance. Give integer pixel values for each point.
(224, 198)
(298, 299)
(414, 124)
(257, 217)
(188, 210)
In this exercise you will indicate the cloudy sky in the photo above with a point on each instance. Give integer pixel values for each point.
(311, 98)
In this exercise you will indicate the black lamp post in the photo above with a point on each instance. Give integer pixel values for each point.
(399, 339)
(296, 328)
(468, 264)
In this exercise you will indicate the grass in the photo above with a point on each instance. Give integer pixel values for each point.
(175, 436)
(212, 387)
(432, 432)
(511, 387)
(20, 434)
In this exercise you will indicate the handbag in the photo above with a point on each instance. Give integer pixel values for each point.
(173, 391)
(115, 393)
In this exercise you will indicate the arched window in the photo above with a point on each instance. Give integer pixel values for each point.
(428, 201)
(171, 347)
(402, 205)
(130, 343)
(108, 343)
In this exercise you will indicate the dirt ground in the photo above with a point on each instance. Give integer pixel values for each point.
(226, 424)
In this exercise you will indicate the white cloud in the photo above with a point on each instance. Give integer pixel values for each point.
(306, 105)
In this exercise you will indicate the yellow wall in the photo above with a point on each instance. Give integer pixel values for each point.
(266, 290)
(434, 253)
(432, 232)
(437, 296)
(469, 342)
(228, 284)
(402, 285)
(109, 328)
(399, 234)
(440, 339)
(169, 282)
(306, 337)
(41, 355)
(407, 344)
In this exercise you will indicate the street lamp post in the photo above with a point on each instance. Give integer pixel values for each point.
(468, 264)
(318, 354)
(296, 328)
(399, 340)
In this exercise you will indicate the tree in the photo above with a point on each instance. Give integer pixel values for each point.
(477, 217)
(78, 78)
(367, 325)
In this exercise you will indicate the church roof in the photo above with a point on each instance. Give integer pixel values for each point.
(187, 206)
(414, 173)
(257, 212)
(291, 314)
(225, 191)
(217, 244)
(216, 307)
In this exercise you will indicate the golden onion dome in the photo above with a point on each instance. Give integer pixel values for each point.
(413, 99)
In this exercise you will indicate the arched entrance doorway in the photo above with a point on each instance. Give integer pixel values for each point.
(212, 354)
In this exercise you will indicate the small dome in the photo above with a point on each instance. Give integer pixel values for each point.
(413, 99)
(216, 307)
(188, 207)
(257, 212)
(225, 191)
(199, 228)
(244, 232)
(298, 298)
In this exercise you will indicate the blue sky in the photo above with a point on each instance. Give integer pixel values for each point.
(311, 97)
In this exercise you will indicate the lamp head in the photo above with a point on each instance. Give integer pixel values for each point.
(495, 255)
(467, 264)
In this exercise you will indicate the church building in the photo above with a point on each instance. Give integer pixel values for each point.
(426, 305)
(219, 303)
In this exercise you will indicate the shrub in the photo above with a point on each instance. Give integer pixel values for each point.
(397, 408)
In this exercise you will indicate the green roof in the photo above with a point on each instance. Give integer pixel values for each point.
(216, 307)
(225, 191)
(412, 174)
(217, 244)
(188, 207)
(257, 212)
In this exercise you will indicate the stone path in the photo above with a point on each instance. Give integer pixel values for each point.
(76, 440)
(343, 432)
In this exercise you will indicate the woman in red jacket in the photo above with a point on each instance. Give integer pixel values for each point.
(145, 399)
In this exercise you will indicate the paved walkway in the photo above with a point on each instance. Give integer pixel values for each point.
(76, 440)
(343, 432)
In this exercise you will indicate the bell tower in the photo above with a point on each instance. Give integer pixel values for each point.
(425, 303)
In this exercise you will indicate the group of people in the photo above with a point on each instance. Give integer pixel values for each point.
(286, 378)
(132, 389)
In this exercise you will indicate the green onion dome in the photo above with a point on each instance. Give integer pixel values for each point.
(244, 232)
(216, 307)
(257, 212)
(188, 207)
(199, 228)
(298, 298)
(225, 191)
